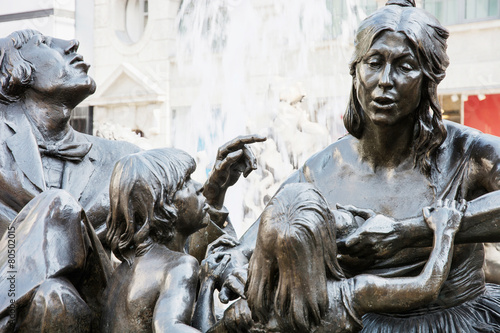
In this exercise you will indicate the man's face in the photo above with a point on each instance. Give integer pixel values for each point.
(60, 73)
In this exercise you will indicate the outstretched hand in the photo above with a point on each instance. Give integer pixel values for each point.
(233, 159)
(445, 215)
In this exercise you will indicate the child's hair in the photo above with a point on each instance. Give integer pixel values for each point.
(141, 195)
(295, 255)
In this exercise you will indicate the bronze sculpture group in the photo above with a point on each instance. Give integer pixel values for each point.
(345, 245)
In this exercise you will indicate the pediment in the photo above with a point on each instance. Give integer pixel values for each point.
(127, 85)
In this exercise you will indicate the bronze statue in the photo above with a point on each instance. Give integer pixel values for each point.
(57, 266)
(55, 189)
(295, 283)
(43, 79)
(155, 207)
(400, 157)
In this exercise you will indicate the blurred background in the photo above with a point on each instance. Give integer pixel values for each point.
(193, 74)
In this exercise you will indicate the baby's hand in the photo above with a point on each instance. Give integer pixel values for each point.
(444, 215)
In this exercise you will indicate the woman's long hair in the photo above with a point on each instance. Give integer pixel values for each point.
(295, 256)
(428, 38)
(141, 195)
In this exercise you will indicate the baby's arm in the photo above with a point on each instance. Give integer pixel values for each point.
(376, 294)
(174, 308)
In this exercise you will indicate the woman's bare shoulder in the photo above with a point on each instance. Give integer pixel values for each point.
(482, 146)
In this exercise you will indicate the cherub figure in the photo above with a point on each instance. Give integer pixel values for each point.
(295, 283)
(155, 207)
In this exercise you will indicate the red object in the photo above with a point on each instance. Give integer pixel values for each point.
(483, 114)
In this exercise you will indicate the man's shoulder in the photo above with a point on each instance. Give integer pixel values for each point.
(111, 148)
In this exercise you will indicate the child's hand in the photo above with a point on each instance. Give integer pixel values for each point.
(238, 317)
(221, 244)
(445, 215)
(213, 266)
(233, 159)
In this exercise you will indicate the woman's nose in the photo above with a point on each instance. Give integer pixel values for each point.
(385, 80)
(72, 46)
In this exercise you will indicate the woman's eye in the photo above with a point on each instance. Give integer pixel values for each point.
(406, 67)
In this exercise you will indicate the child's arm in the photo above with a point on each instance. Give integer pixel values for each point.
(211, 271)
(174, 307)
(376, 294)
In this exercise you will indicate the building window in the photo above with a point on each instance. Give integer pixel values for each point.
(481, 9)
(82, 119)
(450, 12)
(132, 18)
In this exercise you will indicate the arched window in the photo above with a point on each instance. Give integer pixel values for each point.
(132, 20)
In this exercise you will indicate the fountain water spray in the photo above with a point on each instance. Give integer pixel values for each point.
(267, 67)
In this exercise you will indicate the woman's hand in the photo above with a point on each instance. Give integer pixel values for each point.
(233, 159)
(378, 237)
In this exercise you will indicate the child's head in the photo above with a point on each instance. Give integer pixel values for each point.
(143, 204)
(295, 254)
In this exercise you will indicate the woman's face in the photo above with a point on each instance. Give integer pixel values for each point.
(389, 80)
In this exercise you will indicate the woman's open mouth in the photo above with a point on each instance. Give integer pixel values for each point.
(384, 102)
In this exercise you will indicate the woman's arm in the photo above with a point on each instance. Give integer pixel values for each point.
(376, 294)
(174, 308)
(480, 223)
(381, 236)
